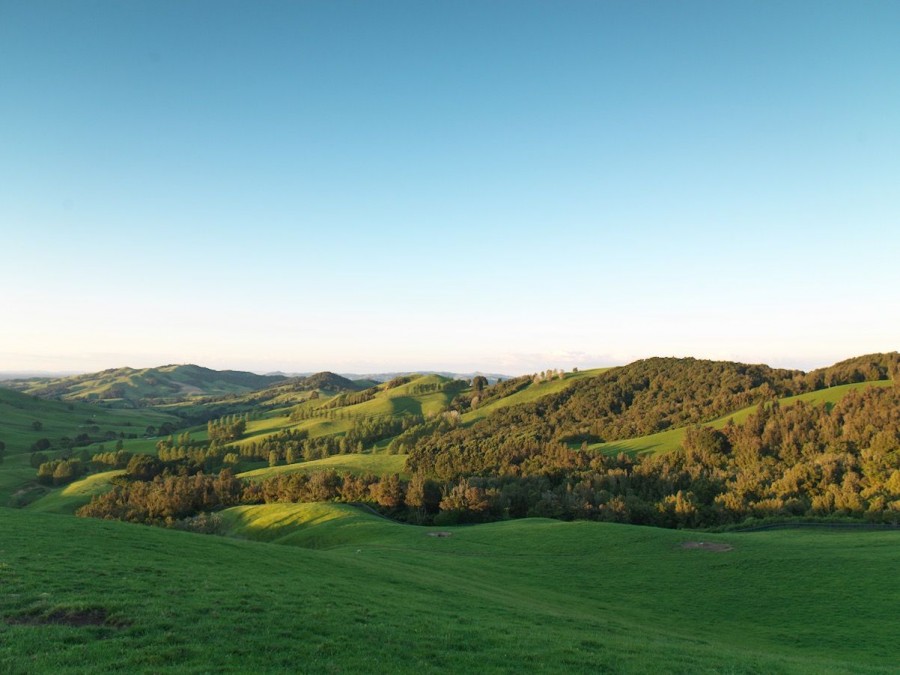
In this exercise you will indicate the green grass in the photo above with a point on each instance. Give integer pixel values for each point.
(18, 412)
(357, 464)
(530, 393)
(69, 498)
(386, 403)
(671, 439)
(58, 419)
(354, 593)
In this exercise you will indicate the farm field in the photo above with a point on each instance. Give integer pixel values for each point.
(353, 592)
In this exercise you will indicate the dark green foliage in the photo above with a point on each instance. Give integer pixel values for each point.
(398, 381)
(503, 388)
(859, 369)
(40, 445)
(325, 381)
(166, 499)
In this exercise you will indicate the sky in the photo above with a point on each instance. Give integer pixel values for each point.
(493, 185)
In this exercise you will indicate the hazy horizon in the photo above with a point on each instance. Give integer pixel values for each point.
(398, 186)
(586, 365)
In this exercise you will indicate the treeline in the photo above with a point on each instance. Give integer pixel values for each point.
(166, 499)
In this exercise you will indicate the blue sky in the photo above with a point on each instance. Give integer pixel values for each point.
(505, 186)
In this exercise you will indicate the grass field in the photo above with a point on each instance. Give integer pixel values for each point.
(671, 439)
(355, 593)
(358, 464)
(69, 498)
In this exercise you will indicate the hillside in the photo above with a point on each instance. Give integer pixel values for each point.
(357, 594)
(134, 386)
(28, 423)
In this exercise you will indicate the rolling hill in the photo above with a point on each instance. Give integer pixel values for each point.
(26, 420)
(135, 386)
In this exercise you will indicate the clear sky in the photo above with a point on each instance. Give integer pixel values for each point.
(496, 185)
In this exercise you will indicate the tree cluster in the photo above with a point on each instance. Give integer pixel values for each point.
(166, 499)
(227, 429)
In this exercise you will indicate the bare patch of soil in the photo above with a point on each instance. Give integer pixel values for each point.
(440, 534)
(63, 617)
(707, 546)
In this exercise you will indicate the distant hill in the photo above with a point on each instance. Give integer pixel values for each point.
(328, 382)
(165, 383)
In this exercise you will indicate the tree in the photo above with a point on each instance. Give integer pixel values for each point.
(40, 445)
(37, 426)
(144, 467)
(423, 494)
(388, 491)
(479, 382)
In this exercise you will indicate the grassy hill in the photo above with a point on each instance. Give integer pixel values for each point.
(19, 413)
(424, 395)
(133, 385)
(358, 464)
(532, 392)
(67, 499)
(360, 594)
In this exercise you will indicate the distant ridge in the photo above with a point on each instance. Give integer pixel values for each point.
(163, 383)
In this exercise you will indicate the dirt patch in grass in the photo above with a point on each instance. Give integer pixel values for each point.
(707, 546)
(68, 617)
(440, 534)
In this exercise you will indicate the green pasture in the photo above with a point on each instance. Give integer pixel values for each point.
(69, 498)
(357, 464)
(351, 592)
(19, 411)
